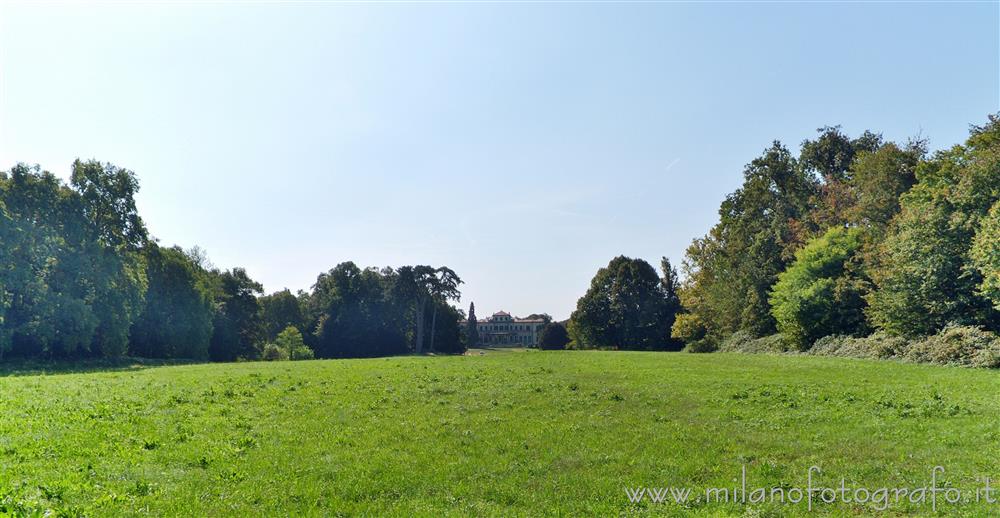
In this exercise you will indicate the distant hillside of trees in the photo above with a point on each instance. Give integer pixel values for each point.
(852, 236)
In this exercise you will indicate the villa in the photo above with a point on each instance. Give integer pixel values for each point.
(502, 330)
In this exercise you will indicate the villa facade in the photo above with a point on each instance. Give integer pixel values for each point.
(502, 330)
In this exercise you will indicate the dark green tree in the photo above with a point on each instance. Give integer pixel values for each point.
(625, 308)
(114, 238)
(472, 327)
(72, 272)
(671, 295)
(831, 154)
(238, 330)
(360, 317)
(444, 287)
(878, 179)
(416, 287)
(447, 337)
(554, 337)
(280, 310)
(176, 320)
(46, 300)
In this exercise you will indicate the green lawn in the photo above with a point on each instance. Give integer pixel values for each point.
(502, 433)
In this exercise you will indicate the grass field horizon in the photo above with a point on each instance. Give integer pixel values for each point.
(524, 433)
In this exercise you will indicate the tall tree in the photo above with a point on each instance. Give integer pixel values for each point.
(47, 302)
(925, 276)
(625, 308)
(116, 234)
(237, 328)
(419, 285)
(878, 179)
(471, 327)
(176, 320)
(446, 335)
(986, 255)
(422, 278)
(73, 276)
(443, 288)
(671, 296)
(360, 317)
(554, 337)
(731, 270)
(828, 158)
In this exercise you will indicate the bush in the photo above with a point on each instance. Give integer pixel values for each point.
(884, 346)
(700, 346)
(288, 346)
(879, 346)
(690, 329)
(968, 346)
(273, 353)
(303, 353)
(746, 342)
(737, 342)
(290, 341)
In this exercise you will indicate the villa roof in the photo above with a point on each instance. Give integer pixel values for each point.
(514, 321)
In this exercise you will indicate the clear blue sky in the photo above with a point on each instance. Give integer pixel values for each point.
(523, 145)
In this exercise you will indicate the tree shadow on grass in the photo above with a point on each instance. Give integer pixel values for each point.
(34, 367)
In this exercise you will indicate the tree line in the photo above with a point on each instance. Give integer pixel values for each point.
(853, 236)
(80, 277)
(848, 237)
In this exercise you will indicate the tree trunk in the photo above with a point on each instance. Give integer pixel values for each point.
(434, 316)
(420, 325)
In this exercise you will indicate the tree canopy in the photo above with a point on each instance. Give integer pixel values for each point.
(820, 293)
(625, 308)
(926, 274)
(850, 235)
(554, 337)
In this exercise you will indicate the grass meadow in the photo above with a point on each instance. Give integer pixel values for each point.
(502, 433)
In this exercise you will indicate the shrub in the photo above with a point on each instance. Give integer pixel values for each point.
(700, 346)
(745, 342)
(737, 342)
(290, 341)
(886, 346)
(303, 353)
(966, 346)
(288, 346)
(958, 345)
(877, 346)
(689, 329)
(272, 353)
